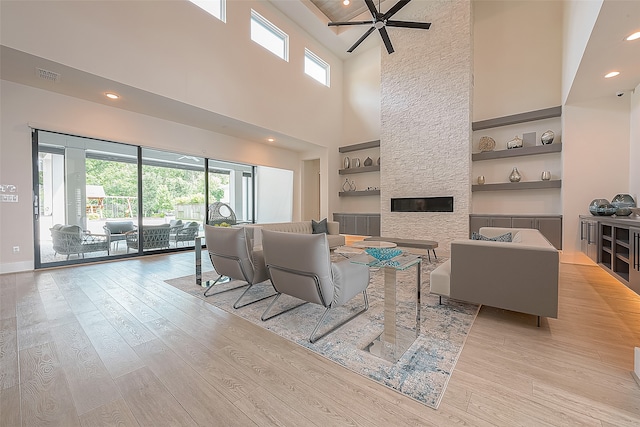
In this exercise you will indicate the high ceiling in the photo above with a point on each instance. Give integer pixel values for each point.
(335, 10)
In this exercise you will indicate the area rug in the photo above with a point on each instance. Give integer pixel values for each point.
(422, 373)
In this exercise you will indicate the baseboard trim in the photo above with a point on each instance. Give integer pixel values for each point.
(16, 267)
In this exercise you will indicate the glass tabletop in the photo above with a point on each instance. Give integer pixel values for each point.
(401, 262)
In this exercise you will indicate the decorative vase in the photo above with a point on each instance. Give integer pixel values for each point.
(346, 186)
(352, 186)
(546, 175)
(514, 143)
(356, 162)
(623, 203)
(547, 137)
(486, 144)
(346, 163)
(378, 161)
(368, 161)
(601, 207)
(515, 175)
(481, 179)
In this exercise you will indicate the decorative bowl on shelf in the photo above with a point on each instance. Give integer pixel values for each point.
(623, 203)
(383, 254)
(601, 207)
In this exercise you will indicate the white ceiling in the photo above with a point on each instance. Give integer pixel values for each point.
(606, 50)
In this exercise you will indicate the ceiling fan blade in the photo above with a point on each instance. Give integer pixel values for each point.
(335, 24)
(372, 8)
(386, 39)
(409, 24)
(361, 39)
(396, 7)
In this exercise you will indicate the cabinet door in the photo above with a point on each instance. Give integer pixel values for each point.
(361, 225)
(551, 228)
(475, 222)
(523, 222)
(374, 225)
(592, 240)
(634, 259)
(584, 230)
(501, 221)
(349, 224)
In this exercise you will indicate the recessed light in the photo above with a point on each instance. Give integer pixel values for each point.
(611, 74)
(634, 36)
(111, 95)
(270, 139)
(346, 2)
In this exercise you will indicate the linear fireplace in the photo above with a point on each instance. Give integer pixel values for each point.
(422, 204)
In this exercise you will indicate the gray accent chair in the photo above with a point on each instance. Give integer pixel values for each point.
(300, 266)
(232, 255)
(72, 239)
(153, 237)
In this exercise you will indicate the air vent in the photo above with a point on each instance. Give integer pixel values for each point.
(48, 75)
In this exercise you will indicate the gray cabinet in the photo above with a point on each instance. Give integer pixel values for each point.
(549, 226)
(634, 259)
(589, 238)
(360, 224)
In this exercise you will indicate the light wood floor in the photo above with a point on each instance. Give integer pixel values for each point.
(112, 344)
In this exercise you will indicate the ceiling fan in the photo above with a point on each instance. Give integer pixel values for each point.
(380, 22)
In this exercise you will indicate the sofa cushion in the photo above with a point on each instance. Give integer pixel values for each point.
(506, 237)
(319, 227)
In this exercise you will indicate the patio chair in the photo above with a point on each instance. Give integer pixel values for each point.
(116, 230)
(221, 213)
(232, 255)
(300, 266)
(153, 237)
(72, 239)
(185, 233)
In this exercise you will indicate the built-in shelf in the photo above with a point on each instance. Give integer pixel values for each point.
(528, 185)
(373, 168)
(529, 116)
(359, 193)
(361, 146)
(515, 152)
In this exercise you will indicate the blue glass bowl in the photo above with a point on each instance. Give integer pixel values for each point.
(383, 254)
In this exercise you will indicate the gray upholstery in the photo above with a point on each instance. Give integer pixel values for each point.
(300, 266)
(72, 239)
(232, 255)
(302, 227)
(153, 237)
(117, 230)
(186, 232)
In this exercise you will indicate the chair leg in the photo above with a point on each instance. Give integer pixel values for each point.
(226, 290)
(236, 306)
(264, 316)
(313, 339)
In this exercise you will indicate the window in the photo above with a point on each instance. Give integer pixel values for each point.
(269, 36)
(316, 67)
(216, 8)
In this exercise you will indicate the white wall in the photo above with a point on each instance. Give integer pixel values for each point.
(517, 57)
(634, 145)
(175, 49)
(21, 105)
(596, 165)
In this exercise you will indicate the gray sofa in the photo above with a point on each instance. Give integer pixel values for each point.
(334, 237)
(521, 275)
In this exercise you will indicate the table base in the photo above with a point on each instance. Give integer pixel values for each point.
(390, 351)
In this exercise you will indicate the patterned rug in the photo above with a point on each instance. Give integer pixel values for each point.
(422, 373)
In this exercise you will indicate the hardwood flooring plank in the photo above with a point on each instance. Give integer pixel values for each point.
(264, 409)
(8, 302)
(150, 401)
(44, 391)
(113, 414)
(9, 371)
(10, 415)
(118, 357)
(90, 383)
(202, 401)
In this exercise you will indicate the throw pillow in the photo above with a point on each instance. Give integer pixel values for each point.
(502, 238)
(320, 227)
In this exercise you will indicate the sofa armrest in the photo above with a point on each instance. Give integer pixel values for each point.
(518, 277)
(333, 227)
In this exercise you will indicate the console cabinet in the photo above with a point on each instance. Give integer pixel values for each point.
(589, 237)
(634, 261)
(549, 225)
(359, 224)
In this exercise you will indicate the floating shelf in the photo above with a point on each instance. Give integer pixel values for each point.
(529, 116)
(528, 185)
(361, 146)
(359, 193)
(516, 152)
(373, 168)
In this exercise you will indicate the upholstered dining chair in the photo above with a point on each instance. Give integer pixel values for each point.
(232, 255)
(300, 266)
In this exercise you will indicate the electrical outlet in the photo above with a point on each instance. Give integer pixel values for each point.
(16, 249)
